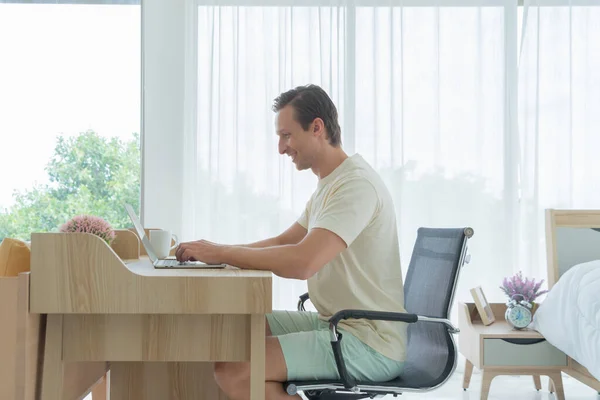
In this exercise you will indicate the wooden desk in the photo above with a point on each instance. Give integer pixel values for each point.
(22, 349)
(160, 330)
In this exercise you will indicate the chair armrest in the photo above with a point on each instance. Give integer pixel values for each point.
(388, 316)
(449, 325)
(302, 300)
(336, 337)
(373, 315)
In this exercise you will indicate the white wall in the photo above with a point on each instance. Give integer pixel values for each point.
(163, 53)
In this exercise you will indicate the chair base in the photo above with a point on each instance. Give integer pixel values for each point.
(336, 396)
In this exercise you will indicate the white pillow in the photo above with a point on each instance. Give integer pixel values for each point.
(569, 317)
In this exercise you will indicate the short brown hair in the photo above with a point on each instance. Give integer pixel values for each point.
(311, 102)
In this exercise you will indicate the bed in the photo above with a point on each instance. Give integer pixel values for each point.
(569, 316)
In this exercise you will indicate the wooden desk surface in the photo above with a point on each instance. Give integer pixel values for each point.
(143, 267)
(78, 273)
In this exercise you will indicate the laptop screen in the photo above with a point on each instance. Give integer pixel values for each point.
(141, 233)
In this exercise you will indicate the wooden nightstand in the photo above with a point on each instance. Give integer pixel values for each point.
(498, 349)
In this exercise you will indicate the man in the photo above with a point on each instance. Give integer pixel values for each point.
(345, 244)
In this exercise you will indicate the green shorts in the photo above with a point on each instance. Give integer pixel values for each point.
(306, 345)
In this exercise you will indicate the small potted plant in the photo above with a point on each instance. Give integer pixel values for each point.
(521, 294)
(89, 224)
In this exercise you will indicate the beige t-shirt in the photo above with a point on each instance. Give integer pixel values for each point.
(354, 203)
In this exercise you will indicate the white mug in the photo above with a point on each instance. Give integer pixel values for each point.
(161, 242)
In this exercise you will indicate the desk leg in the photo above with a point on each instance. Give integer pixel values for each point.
(257, 357)
(54, 367)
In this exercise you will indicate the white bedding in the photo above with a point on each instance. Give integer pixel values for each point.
(569, 317)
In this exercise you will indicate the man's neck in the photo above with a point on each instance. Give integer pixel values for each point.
(328, 162)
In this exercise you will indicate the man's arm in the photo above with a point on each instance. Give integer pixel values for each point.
(293, 235)
(346, 213)
(294, 261)
(343, 217)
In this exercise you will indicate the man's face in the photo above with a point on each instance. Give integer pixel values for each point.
(294, 141)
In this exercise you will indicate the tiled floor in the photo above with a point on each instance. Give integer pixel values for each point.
(503, 387)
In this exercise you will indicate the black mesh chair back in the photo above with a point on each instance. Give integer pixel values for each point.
(428, 291)
(429, 287)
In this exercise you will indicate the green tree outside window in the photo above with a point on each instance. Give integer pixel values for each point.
(88, 174)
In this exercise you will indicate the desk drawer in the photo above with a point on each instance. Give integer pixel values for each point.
(498, 352)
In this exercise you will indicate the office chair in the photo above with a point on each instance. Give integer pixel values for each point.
(431, 358)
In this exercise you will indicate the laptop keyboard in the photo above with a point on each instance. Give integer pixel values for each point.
(175, 263)
(171, 263)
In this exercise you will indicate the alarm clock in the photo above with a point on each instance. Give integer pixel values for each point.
(518, 314)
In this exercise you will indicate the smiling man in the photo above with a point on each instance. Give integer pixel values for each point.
(345, 244)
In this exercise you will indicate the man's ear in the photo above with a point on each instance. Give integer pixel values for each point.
(318, 126)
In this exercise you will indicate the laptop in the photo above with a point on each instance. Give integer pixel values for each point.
(156, 262)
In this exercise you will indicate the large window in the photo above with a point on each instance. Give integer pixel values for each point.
(441, 98)
(423, 93)
(69, 114)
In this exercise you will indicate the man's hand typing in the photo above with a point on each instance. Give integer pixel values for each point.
(200, 250)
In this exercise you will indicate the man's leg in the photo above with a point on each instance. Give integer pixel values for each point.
(234, 378)
(267, 328)
(285, 322)
(281, 322)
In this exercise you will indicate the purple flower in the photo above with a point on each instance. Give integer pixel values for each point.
(89, 224)
(517, 288)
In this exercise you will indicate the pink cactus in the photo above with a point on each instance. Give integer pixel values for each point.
(518, 289)
(90, 224)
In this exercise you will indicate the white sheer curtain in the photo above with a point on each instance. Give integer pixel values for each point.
(559, 118)
(423, 94)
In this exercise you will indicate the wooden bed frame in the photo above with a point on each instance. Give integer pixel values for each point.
(569, 219)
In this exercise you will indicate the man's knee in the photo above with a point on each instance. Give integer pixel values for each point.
(230, 376)
(223, 374)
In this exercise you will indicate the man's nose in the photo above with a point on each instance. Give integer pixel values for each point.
(282, 147)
